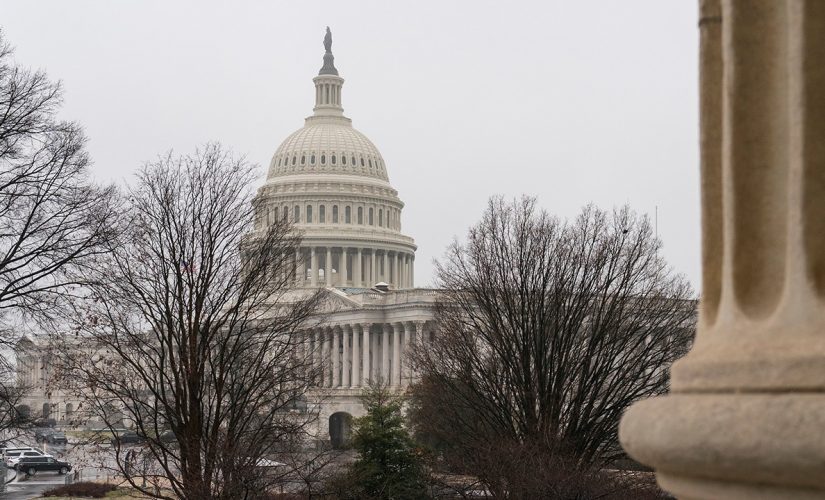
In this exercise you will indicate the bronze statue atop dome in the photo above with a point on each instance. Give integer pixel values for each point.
(329, 60)
(328, 41)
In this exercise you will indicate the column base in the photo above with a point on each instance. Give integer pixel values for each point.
(709, 446)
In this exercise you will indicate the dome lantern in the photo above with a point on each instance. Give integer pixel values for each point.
(328, 84)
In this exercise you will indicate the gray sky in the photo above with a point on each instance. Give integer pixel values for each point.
(570, 101)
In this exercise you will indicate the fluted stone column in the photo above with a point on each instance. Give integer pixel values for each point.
(412, 271)
(346, 360)
(405, 355)
(336, 355)
(386, 268)
(365, 354)
(385, 354)
(328, 267)
(746, 414)
(396, 355)
(313, 262)
(372, 270)
(355, 381)
(357, 280)
(342, 271)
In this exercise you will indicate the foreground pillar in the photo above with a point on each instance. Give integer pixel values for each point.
(746, 416)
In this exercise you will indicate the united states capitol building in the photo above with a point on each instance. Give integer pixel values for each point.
(333, 183)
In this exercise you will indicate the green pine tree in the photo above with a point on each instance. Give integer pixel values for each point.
(388, 466)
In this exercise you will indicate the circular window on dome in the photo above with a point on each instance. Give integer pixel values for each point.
(312, 160)
(333, 159)
(323, 159)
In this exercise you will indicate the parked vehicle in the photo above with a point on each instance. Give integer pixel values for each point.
(13, 455)
(33, 465)
(57, 438)
(41, 433)
(128, 437)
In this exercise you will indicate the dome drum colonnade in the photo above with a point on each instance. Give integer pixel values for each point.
(331, 181)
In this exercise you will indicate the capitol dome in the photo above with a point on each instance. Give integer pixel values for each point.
(328, 145)
(332, 182)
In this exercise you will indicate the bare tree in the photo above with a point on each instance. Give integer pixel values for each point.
(53, 220)
(191, 334)
(547, 332)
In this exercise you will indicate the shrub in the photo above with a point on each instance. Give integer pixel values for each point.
(82, 489)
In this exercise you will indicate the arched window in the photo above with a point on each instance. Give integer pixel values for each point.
(296, 214)
(369, 160)
(353, 160)
(323, 159)
(362, 161)
(381, 217)
(333, 159)
(322, 214)
(284, 213)
(312, 159)
(294, 159)
(343, 160)
(335, 214)
(303, 159)
(371, 222)
(309, 213)
(348, 215)
(279, 162)
(360, 215)
(275, 214)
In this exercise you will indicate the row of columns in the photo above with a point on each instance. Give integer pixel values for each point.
(350, 356)
(394, 268)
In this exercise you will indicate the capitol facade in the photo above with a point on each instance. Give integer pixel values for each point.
(333, 183)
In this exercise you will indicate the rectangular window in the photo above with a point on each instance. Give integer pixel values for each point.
(309, 213)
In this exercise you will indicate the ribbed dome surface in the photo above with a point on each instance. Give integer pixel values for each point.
(328, 147)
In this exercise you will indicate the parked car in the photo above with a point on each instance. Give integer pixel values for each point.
(57, 438)
(13, 455)
(41, 433)
(128, 437)
(33, 465)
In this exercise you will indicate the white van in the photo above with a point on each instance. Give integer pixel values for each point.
(13, 455)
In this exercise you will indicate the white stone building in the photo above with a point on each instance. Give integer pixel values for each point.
(333, 183)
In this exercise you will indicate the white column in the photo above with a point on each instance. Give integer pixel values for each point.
(412, 271)
(299, 276)
(355, 381)
(328, 267)
(405, 355)
(317, 354)
(396, 267)
(342, 264)
(336, 354)
(356, 279)
(386, 275)
(346, 362)
(365, 358)
(385, 354)
(396, 355)
(419, 337)
(313, 263)
(372, 270)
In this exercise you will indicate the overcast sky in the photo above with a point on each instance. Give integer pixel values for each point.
(570, 101)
